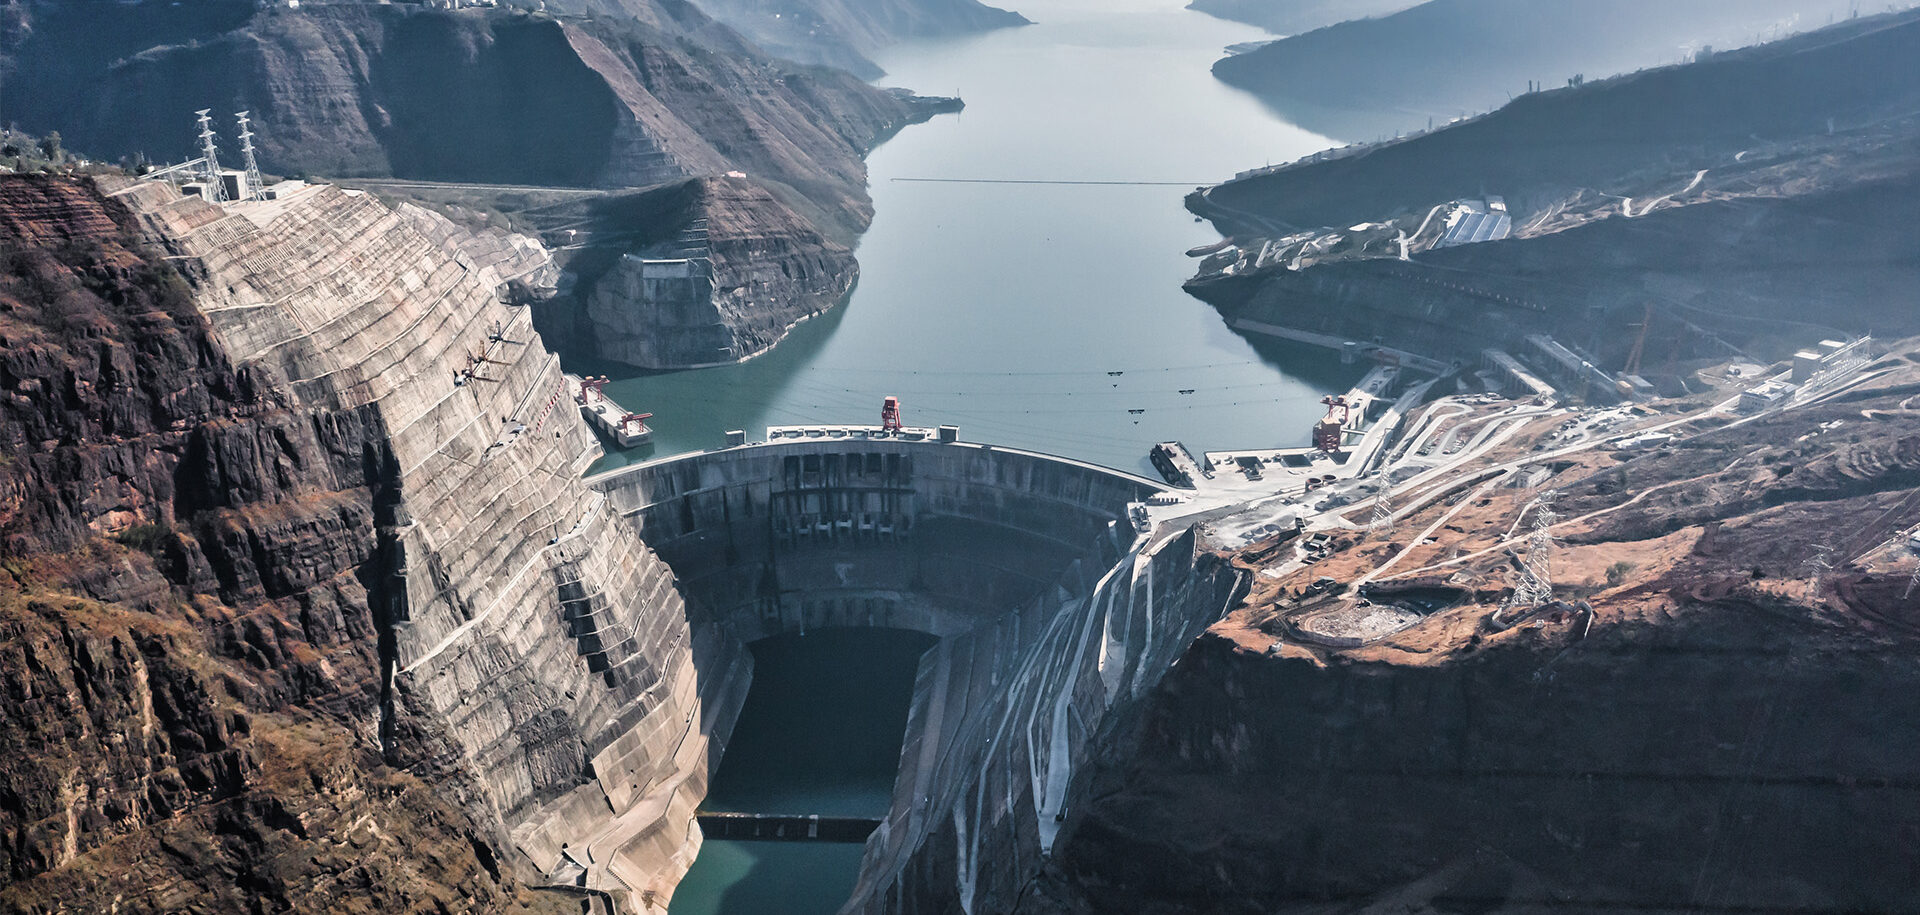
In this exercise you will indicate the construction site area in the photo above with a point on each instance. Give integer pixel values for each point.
(1479, 515)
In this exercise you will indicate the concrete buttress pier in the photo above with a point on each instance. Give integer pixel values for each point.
(1050, 608)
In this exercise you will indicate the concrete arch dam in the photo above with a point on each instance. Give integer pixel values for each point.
(1050, 609)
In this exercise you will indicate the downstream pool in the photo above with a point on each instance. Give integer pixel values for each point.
(820, 733)
(1040, 316)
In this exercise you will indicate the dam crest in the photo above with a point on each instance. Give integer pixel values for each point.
(1049, 606)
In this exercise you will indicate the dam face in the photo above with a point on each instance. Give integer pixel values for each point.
(789, 537)
(1049, 607)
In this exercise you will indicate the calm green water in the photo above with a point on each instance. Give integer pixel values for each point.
(820, 733)
(1003, 308)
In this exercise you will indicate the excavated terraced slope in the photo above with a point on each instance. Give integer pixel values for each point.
(1714, 736)
(300, 619)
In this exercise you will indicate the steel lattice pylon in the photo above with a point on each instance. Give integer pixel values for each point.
(1818, 566)
(208, 150)
(1382, 520)
(1535, 584)
(246, 149)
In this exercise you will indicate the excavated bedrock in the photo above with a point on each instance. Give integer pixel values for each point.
(747, 269)
(1733, 756)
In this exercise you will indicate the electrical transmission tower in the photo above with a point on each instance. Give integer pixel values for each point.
(1382, 520)
(1818, 566)
(212, 156)
(246, 149)
(1535, 586)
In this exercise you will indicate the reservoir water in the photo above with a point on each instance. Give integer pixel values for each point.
(1039, 315)
(1007, 308)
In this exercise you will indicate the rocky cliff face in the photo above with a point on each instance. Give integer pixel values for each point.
(1716, 760)
(642, 93)
(1716, 734)
(301, 572)
(193, 664)
(845, 33)
(742, 270)
(506, 97)
(1749, 198)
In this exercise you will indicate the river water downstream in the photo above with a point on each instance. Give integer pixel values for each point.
(1004, 308)
(1038, 315)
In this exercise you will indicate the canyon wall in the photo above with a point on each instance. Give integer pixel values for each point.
(194, 603)
(846, 33)
(1686, 765)
(766, 155)
(543, 651)
(745, 269)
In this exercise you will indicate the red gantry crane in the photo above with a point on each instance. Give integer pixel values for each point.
(890, 415)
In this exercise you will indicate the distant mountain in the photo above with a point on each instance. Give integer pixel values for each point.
(1292, 17)
(1757, 199)
(844, 33)
(1446, 58)
(364, 90)
(594, 94)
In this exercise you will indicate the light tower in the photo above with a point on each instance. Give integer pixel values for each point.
(1536, 573)
(208, 151)
(254, 183)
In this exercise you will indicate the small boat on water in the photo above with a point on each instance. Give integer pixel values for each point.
(626, 428)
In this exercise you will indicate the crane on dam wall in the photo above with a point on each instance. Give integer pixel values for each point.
(890, 415)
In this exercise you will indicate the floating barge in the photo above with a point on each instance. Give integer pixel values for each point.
(625, 428)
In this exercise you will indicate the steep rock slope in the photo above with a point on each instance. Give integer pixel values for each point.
(336, 577)
(1753, 199)
(1708, 730)
(844, 33)
(366, 90)
(741, 270)
(1292, 17)
(1447, 58)
(645, 94)
(192, 668)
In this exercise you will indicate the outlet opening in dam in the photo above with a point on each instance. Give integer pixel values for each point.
(819, 735)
